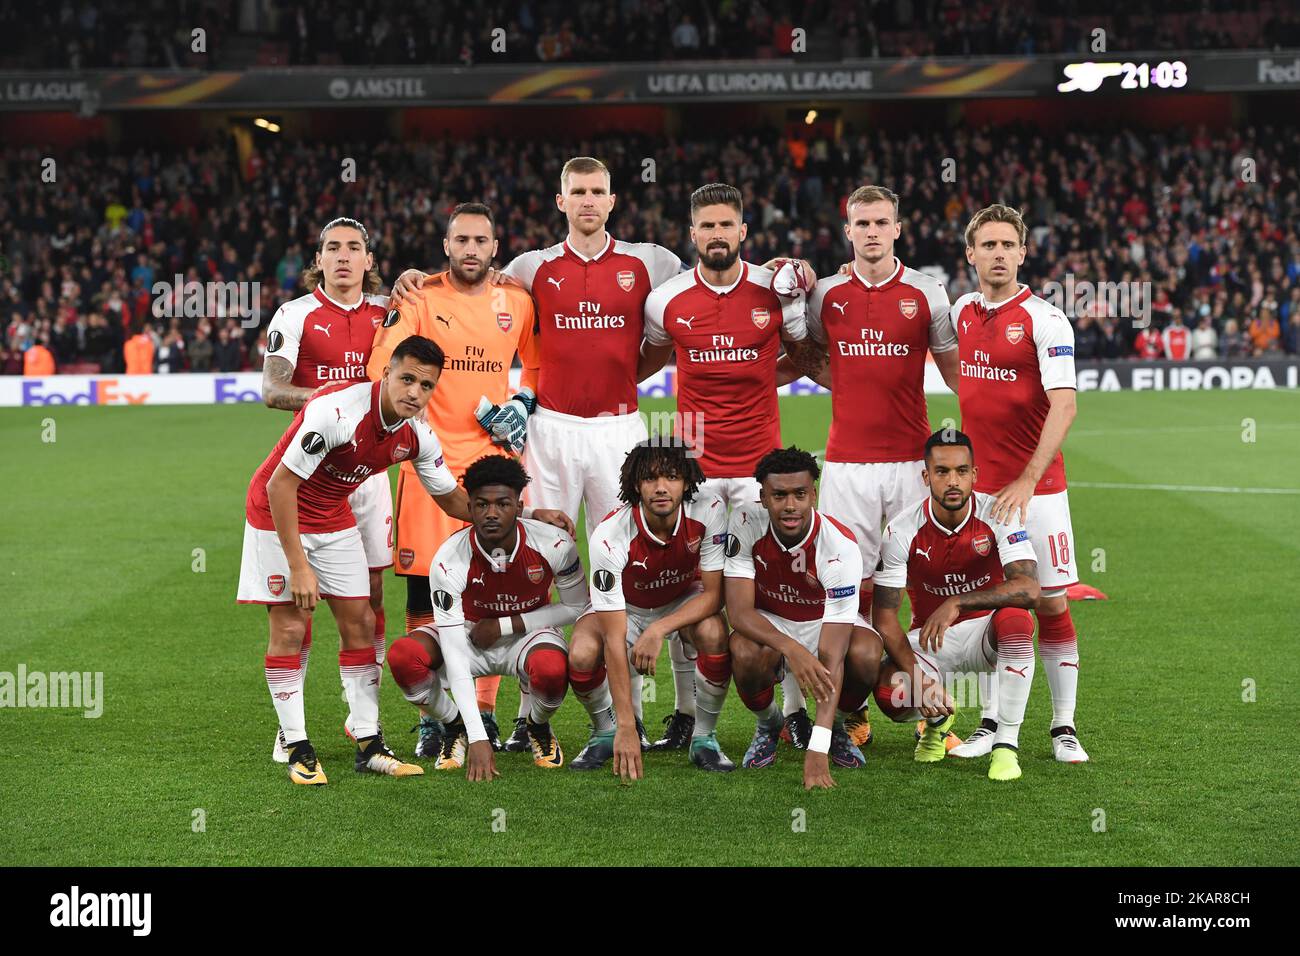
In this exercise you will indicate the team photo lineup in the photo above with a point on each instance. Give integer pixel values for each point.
(724, 547)
(654, 437)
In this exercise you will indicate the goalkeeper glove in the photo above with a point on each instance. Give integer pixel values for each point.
(508, 423)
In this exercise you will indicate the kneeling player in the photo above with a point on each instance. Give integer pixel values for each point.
(792, 577)
(491, 585)
(656, 568)
(301, 532)
(970, 580)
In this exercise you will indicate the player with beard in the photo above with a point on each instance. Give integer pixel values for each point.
(480, 328)
(726, 319)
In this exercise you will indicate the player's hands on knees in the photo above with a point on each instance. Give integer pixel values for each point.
(303, 587)
(817, 771)
(480, 763)
(1013, 501)
(557, 518)
(408, 283)
(937, 624)
(485, 633)
(934, 700)
(627, 754)
(811, 674)
(645, 652)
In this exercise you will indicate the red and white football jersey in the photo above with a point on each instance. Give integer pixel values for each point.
(469, 583)
(590, 317)
(877, 337)
(817, 579)
(335, 442)
(1177, 342)
(727, 342)
(324, 340)
(1012, 354)
(630, 565)
(935, 564)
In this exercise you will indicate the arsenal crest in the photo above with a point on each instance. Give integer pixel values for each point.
(400, 452)
(275, 584)
(1015, 332)
(504, 321)
(981, 544)
(405, 557)
(693, 545)
(761, 317)
(626, 280)
(535, 573)
(907, 307)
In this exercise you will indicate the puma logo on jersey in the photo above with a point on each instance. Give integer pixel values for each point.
(831, 561)
(838, 305)
(759, 559)
(322, 328)
(477, 580)
(925, 552)
(686, 322)
(556, 282)
(445, 322)
(643, 564)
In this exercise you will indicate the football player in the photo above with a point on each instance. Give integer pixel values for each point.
(971, 578)
(791, 580)
(493, 615)
(656, 572)
(302, 544)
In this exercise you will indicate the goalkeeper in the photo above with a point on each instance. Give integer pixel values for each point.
(480, 327)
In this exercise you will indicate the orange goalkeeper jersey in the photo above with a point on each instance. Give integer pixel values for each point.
(480, 334)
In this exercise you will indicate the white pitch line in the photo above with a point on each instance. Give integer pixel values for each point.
(1174, 430)
(1209, 489)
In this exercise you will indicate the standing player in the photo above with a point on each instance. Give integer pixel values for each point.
(876, 324)
(792, 579)
(726, 324)
(319, 339)
(1017, 399)
(656, 568)
(970, 578)
(491, 588)
(300, 533)
(590, 292)
(480, 328)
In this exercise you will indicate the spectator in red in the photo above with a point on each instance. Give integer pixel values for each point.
(1176, 340)
(1148, 345)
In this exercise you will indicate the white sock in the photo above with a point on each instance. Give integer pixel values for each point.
(381, 651)
(361, 684)
(709, 698)
(525, 703)
(285, 685)
(792, 699)
(638, 685)
(683, 678)
(1015, 676)
(769, 716)
(988, 684)
(599, 705)
(1061, 667)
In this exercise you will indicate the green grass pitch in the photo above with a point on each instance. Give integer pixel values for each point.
(1188, 689)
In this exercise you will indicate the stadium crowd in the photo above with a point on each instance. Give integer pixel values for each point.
(1174, 214)
(80, 34)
